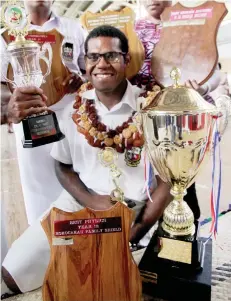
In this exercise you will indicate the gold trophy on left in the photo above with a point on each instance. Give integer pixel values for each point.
(24, 56)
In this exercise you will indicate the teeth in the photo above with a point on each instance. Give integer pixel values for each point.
(103, 75)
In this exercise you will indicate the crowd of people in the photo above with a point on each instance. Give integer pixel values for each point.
(66, 174)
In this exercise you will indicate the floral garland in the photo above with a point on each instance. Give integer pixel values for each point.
(97, 134)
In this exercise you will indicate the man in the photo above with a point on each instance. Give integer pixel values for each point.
(39, 183)
(86, 181)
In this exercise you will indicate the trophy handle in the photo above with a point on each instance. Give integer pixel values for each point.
(6, 62)
(46, 47)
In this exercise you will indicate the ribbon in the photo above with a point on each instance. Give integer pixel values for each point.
(147, 176)
(215, 199)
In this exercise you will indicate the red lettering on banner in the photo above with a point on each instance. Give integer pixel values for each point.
(50, 38)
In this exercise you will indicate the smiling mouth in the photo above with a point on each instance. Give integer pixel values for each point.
(154, 5)
(103, 75)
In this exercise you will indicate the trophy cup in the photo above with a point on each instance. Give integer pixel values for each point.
(24, 57)
(178, 126)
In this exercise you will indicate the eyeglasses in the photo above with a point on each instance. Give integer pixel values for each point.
(110, 57)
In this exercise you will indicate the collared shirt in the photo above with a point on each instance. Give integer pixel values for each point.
(75, 150)
(72, 32)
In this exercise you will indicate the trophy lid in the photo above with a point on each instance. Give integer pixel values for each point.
(177, 99)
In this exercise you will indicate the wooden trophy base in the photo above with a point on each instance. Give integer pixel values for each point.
(40, 130)
(177, 281)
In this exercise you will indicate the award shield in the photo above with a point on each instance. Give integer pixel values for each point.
(188, 40)
(24, 57)
(91, 248)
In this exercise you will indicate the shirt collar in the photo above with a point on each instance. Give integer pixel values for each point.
(129, 98)
(53, 19)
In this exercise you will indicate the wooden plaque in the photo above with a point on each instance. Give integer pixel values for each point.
(52, 88)
(188, 41)
(124, 20)
(90, 256)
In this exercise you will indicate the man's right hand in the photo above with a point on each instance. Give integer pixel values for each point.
(26, 101)
(101, 202)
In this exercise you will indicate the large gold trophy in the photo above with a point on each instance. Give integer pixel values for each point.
(178, 126)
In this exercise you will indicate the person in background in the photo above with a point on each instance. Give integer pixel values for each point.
(5, 98)
(223, 87)
(39, 183)
(148, 30)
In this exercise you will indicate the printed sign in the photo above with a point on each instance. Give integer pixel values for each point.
(87, 226)
(191, 14)
(39, 38)
(115, 19)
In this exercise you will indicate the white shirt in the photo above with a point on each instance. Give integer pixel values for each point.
(75, 150)
(73, 33)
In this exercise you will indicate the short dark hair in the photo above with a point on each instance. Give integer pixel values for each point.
(108, 31)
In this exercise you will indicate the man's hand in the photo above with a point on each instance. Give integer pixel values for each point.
(194, 85)
(72, 83)
(26, 101)
(152, 211)
(101, 202)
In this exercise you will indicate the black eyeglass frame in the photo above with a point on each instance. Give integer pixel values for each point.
(100, 55)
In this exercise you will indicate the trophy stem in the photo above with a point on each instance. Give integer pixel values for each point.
(178, 219)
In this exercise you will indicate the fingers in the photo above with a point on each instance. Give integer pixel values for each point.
(67, 79)
(18, 116)
(26, 101)
(71, 83)
(192, 84)
(29, 90)
(26, 104)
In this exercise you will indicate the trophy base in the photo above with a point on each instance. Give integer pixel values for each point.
(40, 130)
(177, 281)
(181, 253)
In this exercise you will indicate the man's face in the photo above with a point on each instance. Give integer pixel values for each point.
(155, 8)
(106, 75)
(36, 4)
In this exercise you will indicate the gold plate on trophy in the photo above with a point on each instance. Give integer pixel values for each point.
(176, 250)
(124, 20)
(188, 41)
(52, 88)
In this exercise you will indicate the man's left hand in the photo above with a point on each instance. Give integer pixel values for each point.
(72, 83)
(194, 85)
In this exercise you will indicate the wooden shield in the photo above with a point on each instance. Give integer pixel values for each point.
(188, 41)
(90, 256)
(124, 20)
(52, 88)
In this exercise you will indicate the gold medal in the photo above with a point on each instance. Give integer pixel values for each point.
(107, 156)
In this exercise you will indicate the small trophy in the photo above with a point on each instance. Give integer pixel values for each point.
(24, 56)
